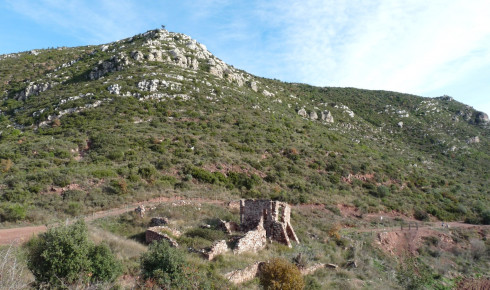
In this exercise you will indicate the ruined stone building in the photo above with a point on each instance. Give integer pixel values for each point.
(275, 216)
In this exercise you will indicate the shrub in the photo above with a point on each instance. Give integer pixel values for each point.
(65, 256)
(13, 212)
(486, 217)
(5, 165)
(104, 265)
(280, 274)
(147, 171)
(164, 265)
(420, 215)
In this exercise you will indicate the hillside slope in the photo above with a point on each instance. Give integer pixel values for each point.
(92, 127)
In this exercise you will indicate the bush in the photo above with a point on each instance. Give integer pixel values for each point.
(164, 265)
(280, 274)
(104, 266)
(420, 215)
(65, 256)
(13, 212)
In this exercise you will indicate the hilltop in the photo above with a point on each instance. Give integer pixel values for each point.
(93, 127)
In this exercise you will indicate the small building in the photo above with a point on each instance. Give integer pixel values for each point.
(276, 217)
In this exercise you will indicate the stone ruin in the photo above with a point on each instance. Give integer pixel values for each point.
(275, 216)
(159, 233)
(259, 220)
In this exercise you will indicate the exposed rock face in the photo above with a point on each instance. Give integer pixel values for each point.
(155, 55)
(116, 63)
(302, 112)
(160, 233)
(473, 140)
(34, 89)
(217, 248)
(158, 221)
(253, 86)
(274, 215)
(481, 118)
(253, 240)
(327, 116)
(114, 89)
(137, 55)
(313, 115)
(267, 93)
(149, 85)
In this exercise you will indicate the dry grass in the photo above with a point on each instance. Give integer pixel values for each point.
(13, 271)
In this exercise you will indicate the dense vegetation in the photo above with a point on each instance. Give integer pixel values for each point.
(226, 140)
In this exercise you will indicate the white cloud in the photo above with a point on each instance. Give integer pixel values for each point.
(90, 21)
(410, 46)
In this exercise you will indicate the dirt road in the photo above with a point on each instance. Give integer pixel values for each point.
(21, 234)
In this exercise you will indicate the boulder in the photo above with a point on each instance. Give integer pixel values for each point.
(481, 118)
(313, 115)
(302, 112)
(327, 117)
(114, 89)
(137, 55)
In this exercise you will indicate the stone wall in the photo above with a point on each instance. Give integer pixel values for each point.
(311, 269)
(244, 275)
(217, 248)
(159, 233)
(276, 217)
(253, 241)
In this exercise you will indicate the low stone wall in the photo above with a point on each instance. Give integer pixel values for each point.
(217, 248)
(253, 241)
(244, 275)
(158, 233)
(311, 269)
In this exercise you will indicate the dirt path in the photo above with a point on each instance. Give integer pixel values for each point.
(21, 234)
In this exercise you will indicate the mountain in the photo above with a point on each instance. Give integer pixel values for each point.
(93, 127)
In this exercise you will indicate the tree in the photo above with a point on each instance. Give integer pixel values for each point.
(280, 274)
(64, 256)
(164, 265)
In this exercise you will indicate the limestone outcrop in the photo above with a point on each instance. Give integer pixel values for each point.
(327, 116)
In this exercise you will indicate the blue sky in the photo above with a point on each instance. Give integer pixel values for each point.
(427, 48)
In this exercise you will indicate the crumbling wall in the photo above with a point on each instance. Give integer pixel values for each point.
(217, 248)
(253, 241)
(158, 233)
(244, 275)
(276, 217)
(228, 227)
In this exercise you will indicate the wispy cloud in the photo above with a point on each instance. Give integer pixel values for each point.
(413, 46)
(90, 21)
